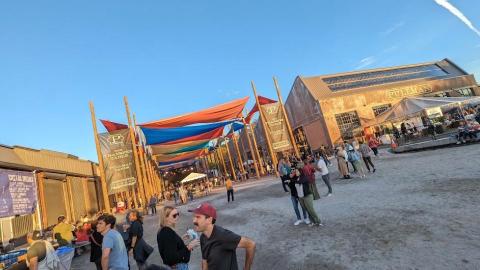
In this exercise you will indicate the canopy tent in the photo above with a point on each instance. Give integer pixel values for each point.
(192, 177)
(207, 135)
(262, 101)
(181, 156)
(163, 135)
(177, 164)
(172, 148)
(112, 126)
(413, 105)
(226, 111)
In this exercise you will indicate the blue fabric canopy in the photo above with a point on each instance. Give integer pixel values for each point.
(163, 135)
(237, 126)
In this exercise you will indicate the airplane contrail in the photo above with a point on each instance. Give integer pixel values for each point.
(455, 11)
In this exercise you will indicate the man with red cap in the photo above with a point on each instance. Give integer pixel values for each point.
(219, 245)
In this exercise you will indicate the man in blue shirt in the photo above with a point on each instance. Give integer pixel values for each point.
(114, 253)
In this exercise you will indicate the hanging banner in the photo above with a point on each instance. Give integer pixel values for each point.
(118, 160)
(18, 193)
(276, 127)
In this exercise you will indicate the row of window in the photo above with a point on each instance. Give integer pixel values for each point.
(379, 73)
(383, 80)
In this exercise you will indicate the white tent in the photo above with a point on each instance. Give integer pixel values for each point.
(414, 105)
(192, 177)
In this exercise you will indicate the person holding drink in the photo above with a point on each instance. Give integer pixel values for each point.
(171, 246)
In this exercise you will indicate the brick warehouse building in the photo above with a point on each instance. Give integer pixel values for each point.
(326, 109)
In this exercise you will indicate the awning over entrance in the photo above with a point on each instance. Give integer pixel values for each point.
(410, 106)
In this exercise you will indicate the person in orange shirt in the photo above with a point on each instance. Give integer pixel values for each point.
(229, 186)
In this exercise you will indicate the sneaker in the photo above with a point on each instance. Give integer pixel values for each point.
(329, 194)
(307, 221)
(311, 224)
(320, 224)
(374, 169)
(297, 222)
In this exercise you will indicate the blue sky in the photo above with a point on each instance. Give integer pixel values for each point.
(173, 57)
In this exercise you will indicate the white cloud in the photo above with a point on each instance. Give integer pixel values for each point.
(365, 62)
(393, 28)
(455, 11)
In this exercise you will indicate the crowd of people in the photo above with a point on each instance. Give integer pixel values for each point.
(298, 177)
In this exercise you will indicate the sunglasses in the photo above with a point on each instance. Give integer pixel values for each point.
(176, 215)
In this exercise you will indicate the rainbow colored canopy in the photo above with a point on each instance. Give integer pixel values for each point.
(181, 156)
(163, 135)
(207, 135)
(226, 111)
(180, 148)
(172, 148)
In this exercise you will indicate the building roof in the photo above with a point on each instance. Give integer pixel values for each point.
(24, 158)
(341, 84)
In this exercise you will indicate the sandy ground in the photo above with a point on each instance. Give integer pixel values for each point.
(418, 211)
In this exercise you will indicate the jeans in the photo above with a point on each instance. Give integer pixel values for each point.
(284, 184)
(154, 209)
(230, 192)
(368, 160)
(295, 202)
(375, 151)
(307, 203)
(326, 179)
(182, 266)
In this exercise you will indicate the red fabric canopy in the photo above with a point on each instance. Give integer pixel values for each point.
(227, 111)
(262, 101)
(112, 126)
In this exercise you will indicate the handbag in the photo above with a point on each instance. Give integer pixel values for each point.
(142, 251)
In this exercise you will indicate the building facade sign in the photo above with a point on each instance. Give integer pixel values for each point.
(411, 90)
(18, 193)
(276, 127)
(118, 159)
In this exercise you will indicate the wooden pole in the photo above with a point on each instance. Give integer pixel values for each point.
(251, 150)
(234, 174)
(222, 159)
(285, 116)
(41, 192)
(135, 154)
(146, 180)
(235, 141)
(103, 179)
(265, 127)
(262, 170)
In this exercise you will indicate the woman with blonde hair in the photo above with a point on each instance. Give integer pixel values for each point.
(172, 249)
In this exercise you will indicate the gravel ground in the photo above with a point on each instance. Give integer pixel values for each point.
(418, 211)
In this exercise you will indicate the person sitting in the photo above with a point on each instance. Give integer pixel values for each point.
(41, 254)
(64, 230)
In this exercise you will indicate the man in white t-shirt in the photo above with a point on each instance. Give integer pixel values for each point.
(322, 167)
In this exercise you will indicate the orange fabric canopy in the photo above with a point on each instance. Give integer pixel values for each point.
(226, 111)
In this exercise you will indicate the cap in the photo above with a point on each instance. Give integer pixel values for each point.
(205, 209)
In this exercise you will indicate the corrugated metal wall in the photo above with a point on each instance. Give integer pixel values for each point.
(92, 194)
(78, 198)
(22, 225)
(54, 200)
(57, 162)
